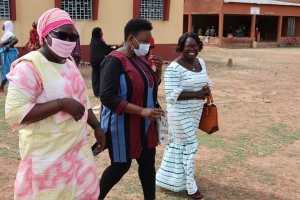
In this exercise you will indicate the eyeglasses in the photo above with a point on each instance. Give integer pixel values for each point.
(190, 47)
(64, 36)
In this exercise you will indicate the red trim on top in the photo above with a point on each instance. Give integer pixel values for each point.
(136, 8)
(95, 8)
(145, 69)
(12, 10)
(167, 4)
(57, 4)
(143, 58)
(121, 107)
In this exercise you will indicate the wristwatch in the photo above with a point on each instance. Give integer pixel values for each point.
(95, 125)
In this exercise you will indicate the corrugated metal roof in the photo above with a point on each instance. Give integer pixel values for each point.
(284, 3)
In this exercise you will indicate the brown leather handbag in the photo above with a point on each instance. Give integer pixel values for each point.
(209, 118)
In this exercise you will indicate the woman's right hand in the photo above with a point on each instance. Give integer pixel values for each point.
(152, 114)
(204, 92)
(73, 107)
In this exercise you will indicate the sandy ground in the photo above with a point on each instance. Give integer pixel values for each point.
(255, 155)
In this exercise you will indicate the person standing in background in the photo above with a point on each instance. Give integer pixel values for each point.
(98, 50)
(151, 51)
(76, 53)
(8, 52)
(207, 32)
(256, 33)
(33, 43)
(200, 31)
(212, 31)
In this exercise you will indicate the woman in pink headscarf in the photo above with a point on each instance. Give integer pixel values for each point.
(48, 104)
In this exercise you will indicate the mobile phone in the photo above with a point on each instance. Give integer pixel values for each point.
(95, 150)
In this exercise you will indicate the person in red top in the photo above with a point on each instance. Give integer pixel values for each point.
(33, 43)
(151, 51)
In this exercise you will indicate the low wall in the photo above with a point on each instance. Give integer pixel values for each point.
(282, 39)
(236, 42)
(213, 41)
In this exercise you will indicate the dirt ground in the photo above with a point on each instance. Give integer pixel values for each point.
(255, 155)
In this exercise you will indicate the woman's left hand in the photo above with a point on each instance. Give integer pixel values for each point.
(101, 139)
(120, 45)
(157, 61)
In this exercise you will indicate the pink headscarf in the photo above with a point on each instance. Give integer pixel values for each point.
(50, 20)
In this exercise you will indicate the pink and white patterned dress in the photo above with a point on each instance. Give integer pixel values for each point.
(56, 159)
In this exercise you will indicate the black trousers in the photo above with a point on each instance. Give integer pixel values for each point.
(113, 174)
(96, 79)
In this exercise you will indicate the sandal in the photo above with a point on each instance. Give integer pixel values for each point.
(196, 195)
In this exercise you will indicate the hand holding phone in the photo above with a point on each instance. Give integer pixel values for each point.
(95, 150)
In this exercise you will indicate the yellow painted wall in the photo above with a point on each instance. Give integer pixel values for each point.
(112, 17)
(27, 11)
(114, 14)
(168, 32)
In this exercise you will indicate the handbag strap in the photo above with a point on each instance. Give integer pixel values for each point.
(209, 99)
(157, 105)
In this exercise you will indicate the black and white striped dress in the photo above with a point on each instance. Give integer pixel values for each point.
(176, 172)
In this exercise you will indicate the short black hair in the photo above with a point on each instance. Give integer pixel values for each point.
(136, 25)
(182, 39)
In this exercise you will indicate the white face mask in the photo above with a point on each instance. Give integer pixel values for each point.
(142, 50)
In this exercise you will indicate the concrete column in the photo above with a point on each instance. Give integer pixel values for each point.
(190, 23)
(279, 28)
(253, 20)
(221, 27)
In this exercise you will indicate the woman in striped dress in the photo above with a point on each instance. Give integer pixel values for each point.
(186, 85)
